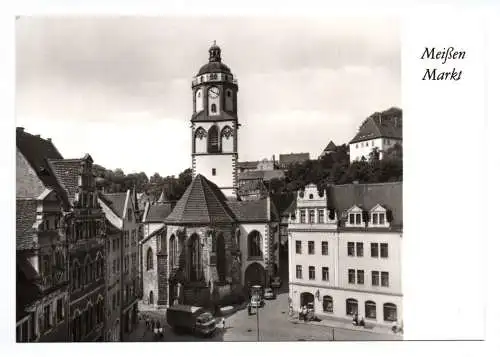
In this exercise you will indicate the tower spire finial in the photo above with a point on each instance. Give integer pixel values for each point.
(214, 52)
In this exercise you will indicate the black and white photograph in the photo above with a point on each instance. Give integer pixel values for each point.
(208, 179)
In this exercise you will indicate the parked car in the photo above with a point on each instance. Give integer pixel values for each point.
(269, 294)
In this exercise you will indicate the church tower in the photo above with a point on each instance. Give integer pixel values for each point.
(214, 123)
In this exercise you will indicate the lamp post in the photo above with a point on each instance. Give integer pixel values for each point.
(258, 331)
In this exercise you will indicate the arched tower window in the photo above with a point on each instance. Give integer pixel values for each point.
(213, 108)
(172, 250)
(149, 259)
(194, 257)
(213, 140)
(163, 243)
(254, 245)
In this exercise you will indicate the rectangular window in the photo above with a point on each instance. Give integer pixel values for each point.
(361, 277)
(302, 216)
(214, 172)
(374, 250)
(381, 218)
(298, 247)
(324, 248)
(384, 250)
(129, 214)
(375, 218)
(351, 218)
(298, 271)
(358, 218)
(325, 274)
(350, 249)
(352, 276)
(310, 247)
(359, 249)
(385, 278)
(375, 278)
(321, 216)
(312, 214)
(312, 273)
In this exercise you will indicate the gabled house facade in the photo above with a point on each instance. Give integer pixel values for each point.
(42, 293)
(123, 263)
(345, 251)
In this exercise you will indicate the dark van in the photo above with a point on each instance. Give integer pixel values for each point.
(192, 319)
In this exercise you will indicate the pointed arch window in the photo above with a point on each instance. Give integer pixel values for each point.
(149, 259)
(200, 133)
(195, 257)
(213, 140)
(172, 250)
(254, 245)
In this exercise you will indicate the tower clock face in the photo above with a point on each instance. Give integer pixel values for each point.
(213, 92)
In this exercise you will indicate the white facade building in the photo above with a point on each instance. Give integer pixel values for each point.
(344, 252)
(380, 131)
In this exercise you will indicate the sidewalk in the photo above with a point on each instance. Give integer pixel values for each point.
(345, 324)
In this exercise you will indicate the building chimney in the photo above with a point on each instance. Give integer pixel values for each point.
(37, 135)
(49, 140)
(20, 129)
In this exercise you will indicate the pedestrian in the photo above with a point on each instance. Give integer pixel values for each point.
(147, 321)
(223, 324)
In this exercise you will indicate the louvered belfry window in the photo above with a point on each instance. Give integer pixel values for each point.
(213, 140)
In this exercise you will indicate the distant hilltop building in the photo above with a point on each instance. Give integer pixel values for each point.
(288, 159)
(382, 130)
(329, 149)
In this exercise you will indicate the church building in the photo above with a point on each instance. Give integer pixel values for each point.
(212, 246)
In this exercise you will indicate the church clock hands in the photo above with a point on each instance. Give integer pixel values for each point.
(213, 92)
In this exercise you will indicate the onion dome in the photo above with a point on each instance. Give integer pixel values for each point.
(214, 64)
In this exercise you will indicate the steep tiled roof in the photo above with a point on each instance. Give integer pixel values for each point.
(249, 211)
(265, 175)
(27, 291)
(35, 149)
(287, 159)
(367, 196)
(249, 165)
(67, 172)
(285, 203)
(158, 212)
(387, 124)
(25, 218)
(330, 147)
(115, 201)
(202, 202)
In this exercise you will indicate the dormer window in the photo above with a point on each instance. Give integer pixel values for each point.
(378, 217)
(355, 217)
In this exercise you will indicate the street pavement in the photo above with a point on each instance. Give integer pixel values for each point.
(274, 325)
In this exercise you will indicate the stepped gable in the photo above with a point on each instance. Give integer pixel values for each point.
(202, 203)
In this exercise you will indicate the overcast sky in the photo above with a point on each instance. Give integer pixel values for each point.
(120, 88)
